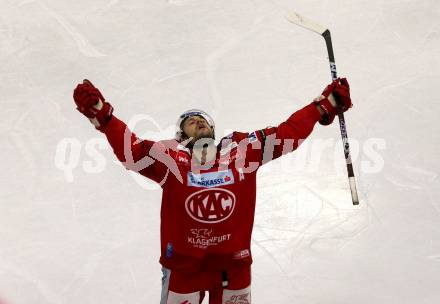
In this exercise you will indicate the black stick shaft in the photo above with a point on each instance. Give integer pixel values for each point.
(342, 125)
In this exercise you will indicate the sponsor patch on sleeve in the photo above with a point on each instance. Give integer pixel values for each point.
(252, 137)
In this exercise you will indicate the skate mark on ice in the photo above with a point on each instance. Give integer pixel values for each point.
(179, 74)
(280, 267)
(341, 217)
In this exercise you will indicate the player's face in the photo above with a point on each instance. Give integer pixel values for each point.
(197, 127)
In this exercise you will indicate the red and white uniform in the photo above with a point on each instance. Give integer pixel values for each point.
(207, 214)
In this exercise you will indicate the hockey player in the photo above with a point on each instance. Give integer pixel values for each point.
(209, 190)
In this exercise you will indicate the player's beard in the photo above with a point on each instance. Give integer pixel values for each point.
(203, 133)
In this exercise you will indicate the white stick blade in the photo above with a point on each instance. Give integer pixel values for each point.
(354, 194)
(305, 23)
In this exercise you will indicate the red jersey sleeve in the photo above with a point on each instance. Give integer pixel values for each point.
(135, 154)
(287, 136)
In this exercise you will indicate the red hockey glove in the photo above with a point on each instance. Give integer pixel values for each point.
(90, 102)
(335, 99)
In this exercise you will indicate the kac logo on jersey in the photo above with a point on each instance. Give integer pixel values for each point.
(210, 205)
(211, 179)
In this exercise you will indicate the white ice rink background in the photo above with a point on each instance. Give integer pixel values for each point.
(90, 233)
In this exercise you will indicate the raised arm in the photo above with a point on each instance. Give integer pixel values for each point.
(135, 154)
(286, 137)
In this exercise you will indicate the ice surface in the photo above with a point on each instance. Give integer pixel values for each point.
(92, 236)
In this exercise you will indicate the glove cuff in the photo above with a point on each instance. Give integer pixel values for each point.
(329, 111)
(103, 116)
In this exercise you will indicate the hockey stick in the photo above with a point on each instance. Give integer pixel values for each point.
(324, 32)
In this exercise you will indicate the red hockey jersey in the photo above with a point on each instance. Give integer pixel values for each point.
(207, 212)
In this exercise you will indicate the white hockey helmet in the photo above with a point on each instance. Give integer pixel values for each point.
(189, 113)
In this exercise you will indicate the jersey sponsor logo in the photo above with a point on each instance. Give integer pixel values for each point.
(169, 253)
(252, 137)
(201, 233)
(242, 254)
(182, 158)
(237, 297)
(203, 238)
(210, 206)
(211, 179)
